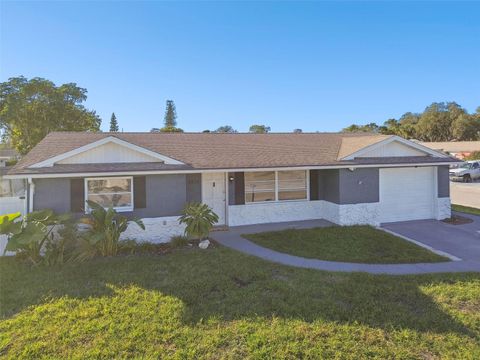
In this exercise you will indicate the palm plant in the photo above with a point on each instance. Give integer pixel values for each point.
(199, 220)
(106, 226)
(28, 236)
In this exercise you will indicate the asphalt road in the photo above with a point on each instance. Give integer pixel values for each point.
(467, 194)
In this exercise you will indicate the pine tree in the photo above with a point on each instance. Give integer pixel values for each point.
(170, 115)
(170, 122)
(113, 123)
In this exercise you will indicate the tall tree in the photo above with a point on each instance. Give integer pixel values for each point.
(170, 120)
(30, 109)
(297, 131)
(444, 121)
(371, 127)
(259, 129)
(113, 123)
(435, 124)
(170, 114)
(466, 127)
(226, 129)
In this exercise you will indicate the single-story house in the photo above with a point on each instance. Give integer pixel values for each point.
(459, 149)
(245, 178)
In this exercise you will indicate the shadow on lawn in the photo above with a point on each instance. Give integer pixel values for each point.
(222, 284)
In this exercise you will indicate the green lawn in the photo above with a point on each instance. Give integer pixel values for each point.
(466, 209)
(360, 244)
(222, 304)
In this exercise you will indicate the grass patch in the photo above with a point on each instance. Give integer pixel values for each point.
(466, 209)
(359, 244)
(218, 303)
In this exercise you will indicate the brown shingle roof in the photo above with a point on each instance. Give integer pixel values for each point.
(210, 150)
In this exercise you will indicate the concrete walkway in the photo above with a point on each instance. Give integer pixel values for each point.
(233, 239)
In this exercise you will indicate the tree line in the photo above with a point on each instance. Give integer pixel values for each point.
(443, 121)
(30, 109)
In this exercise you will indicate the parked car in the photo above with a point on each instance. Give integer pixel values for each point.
(466, 172)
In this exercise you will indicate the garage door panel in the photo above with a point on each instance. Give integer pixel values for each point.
(407, 194)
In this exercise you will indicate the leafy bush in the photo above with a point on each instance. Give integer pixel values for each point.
(62, 248)
(179, 241)
(106, 226)
(199, 220)
(28, 235)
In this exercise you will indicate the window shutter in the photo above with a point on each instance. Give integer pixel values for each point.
(77, 195)
(239, 188)
(314, 185)
(139, 192)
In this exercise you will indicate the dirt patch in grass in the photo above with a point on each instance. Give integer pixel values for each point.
(457, 220)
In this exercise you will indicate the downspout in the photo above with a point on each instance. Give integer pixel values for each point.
(31, 192)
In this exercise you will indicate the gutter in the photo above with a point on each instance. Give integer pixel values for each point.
(199, 171)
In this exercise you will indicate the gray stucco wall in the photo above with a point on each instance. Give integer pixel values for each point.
(342, 186)
(359, 186)
(52, 194)
(329, 180)
(443, 181)
(166, 195)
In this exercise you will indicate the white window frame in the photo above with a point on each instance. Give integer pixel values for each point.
(307, 179)
(118, 208)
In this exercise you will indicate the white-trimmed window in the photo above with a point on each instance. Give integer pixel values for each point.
(262, 186)
(115, 192)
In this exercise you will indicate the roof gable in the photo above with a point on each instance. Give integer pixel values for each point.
(393, 146)
(107, 150)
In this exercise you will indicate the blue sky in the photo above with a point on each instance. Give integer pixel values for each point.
(315, 66)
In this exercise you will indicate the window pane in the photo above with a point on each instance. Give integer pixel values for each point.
(12, 188)
(259, 196)
(109, 185)
(5, 190)
(115, 200)
(18, 187)
(292, 195)
(260, 186)
(292, 185)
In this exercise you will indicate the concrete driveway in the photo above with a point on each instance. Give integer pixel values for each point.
(466, 194)
(462, 241)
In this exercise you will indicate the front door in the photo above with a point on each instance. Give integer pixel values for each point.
(213, 194)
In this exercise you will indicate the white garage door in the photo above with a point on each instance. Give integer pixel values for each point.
(407, 194)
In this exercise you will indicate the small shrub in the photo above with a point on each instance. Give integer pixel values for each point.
(199, 220)
(178, 241)
(106, 226)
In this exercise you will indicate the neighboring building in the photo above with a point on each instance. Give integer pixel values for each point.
(12, 192)
(245, 178)
(459, 149)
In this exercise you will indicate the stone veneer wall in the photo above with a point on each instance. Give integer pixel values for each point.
(347, 214)
(157, 230)
(444, 209)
